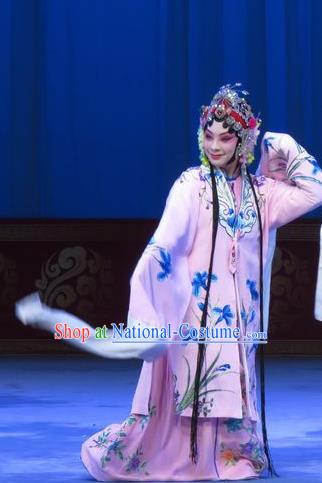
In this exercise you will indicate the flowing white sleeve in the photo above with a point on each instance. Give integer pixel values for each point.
(160, 284)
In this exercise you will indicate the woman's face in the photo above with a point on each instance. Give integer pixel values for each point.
(220, 145)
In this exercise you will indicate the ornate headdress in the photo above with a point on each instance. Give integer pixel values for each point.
(228, 106)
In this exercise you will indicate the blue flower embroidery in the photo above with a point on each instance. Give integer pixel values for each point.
(134, 463)
(252, 317)
(267, 143)
(200, 281)
(251, 284)
(244, 221)
(243, 314)
(247, 317)
(316, 167)
(115, 446)
(253, 348)
(231, 218)
(224, 367)
(165, 264)
(233, 424)
(225, 314)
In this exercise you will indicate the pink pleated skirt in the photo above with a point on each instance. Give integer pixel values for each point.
(156, 447)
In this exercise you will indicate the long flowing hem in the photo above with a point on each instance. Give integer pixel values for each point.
(156, 447)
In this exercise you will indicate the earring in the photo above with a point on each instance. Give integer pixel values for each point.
(238, 153)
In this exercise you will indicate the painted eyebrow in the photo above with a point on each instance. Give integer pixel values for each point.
(221, 134)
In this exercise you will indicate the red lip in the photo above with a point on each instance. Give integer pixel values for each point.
(215, 156)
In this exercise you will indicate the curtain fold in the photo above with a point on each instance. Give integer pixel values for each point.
(99, 101)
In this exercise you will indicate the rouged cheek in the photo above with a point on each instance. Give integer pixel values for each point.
(232, 142)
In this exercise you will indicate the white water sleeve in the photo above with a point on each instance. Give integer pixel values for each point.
(31, 311)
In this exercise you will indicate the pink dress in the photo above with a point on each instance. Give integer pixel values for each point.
(168, 286)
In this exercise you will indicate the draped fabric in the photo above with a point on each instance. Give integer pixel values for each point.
(92, 88)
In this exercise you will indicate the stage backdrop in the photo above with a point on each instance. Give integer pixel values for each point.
(99, 99)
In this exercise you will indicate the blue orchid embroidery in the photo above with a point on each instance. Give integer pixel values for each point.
(251, 284)
(267, 143)
(200, 281)
(249, 316)
(165, 264)
(252, 316)
(225, 314)
(316, 167)
(224, 367)
(243, 315)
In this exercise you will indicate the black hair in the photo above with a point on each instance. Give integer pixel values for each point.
(271, 468)
(203, 323)
(224, 123)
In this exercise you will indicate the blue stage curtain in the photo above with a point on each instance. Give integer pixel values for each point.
(100, 99)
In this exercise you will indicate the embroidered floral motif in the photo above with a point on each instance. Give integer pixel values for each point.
(204, 406)
(101, 440)
(233, 424)
(134, 462)
(225, 314)
(249, 316)
(300, 159)
(251, 284)
(268, 143)
(186, 400)
(165, 264)
(113, 444)
(316, 168)
(252, 449)
(229, 219)
(229, 456)
(200, 281)
(221, 314)
(247, 216)
(145, 418)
